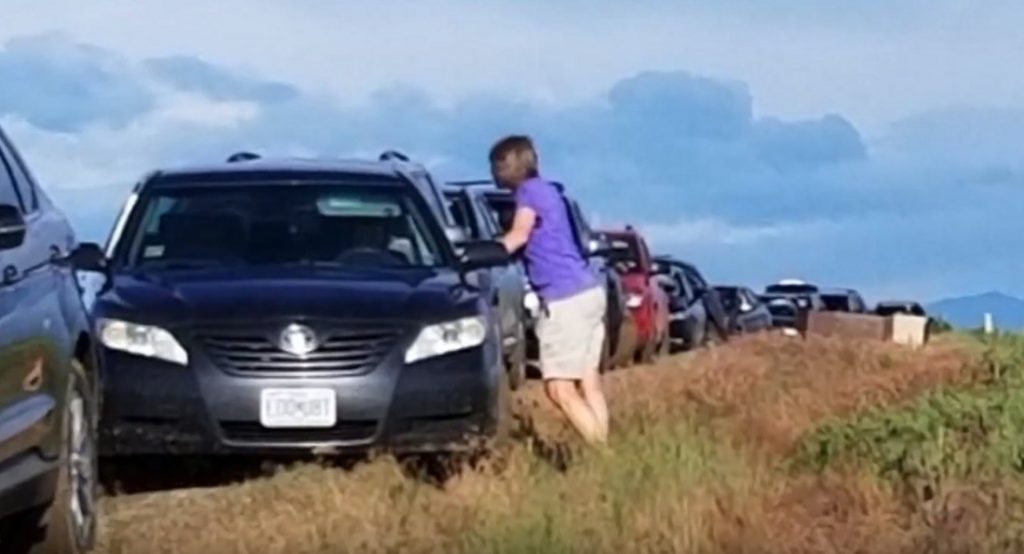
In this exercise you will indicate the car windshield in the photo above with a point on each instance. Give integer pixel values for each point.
(331, 225)
(892, 309)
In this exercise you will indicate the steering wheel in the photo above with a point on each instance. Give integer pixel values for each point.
(367, 255)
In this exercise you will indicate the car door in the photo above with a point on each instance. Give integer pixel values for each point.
(756, 316)
(33, 337)
(509, 279)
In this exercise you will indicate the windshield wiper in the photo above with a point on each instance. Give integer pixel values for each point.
(182, 264)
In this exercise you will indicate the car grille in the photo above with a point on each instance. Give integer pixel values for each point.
(343, 431)
(341, 350)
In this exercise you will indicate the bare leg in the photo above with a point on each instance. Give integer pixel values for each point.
(593, 395)
(567, 398)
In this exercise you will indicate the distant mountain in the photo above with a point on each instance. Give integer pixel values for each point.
(969, 311)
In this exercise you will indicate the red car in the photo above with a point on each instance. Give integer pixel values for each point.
(645, 297)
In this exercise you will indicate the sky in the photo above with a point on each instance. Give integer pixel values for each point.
(874, 144)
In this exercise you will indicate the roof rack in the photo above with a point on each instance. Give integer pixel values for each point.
(390, 155)
(472, 183)
(242, 157)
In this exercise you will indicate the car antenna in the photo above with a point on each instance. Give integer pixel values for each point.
(242, 157)
(389, 155)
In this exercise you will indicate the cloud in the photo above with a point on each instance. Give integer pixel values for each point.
(685, 156)
(62, 86)
(194, 75)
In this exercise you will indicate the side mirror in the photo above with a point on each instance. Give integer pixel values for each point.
(456, 235)
(89, 257)
(483, 254)
(12, 227)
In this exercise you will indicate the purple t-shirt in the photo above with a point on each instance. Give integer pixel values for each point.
(554, 263)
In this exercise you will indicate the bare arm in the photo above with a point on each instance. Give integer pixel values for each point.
(522, 226)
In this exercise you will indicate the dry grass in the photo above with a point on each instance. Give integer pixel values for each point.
(698, 443)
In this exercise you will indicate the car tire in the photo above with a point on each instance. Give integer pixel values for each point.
(67, 525)
(665, 346)
(649, 352)
(713, 336)
(501, 439)
(516, 363)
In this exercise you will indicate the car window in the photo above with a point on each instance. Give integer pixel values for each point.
(504, 208)
(753, 299)
(729, 297)
(490, 220)
(23, 182)
(271, 225)
(686, 291)
(461, 212)
(695, 281)
(7, 193)
(835, 302)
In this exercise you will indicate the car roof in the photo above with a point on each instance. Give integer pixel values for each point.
(271, 169)
(838, 291)
(888, 303)
(677, 262)
(475, 188)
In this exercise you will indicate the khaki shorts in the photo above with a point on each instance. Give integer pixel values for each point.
(571, 335)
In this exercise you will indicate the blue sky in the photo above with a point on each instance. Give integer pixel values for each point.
(875, 144)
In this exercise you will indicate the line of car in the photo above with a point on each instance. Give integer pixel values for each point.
(286, 306)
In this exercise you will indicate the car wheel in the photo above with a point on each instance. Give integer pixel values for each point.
(649, 352)
(501, 439)
(713, 336)
(665, 347)
(516, 363)
(67, 525)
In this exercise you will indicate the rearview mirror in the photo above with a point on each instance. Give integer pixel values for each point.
(12, 227)
(482, 254)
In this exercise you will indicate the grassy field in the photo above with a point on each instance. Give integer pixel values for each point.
(765, 445)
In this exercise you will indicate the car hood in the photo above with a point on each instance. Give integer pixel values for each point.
(182, 296)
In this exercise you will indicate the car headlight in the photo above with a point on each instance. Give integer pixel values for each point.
(142, 340)
(444, 338)
(634, 300)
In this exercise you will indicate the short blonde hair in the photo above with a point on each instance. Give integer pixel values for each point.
(521, 145)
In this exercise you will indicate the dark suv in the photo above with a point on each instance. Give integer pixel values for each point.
(472, 212)
(296, 306)
(696, 313)
(48, 377)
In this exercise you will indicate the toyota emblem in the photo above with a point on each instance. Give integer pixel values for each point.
(298, 340)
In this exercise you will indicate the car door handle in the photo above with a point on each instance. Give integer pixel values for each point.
(10, 275)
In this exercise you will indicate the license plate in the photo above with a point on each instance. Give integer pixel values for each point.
(297, 408)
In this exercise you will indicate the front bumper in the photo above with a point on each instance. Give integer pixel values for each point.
(439, 404)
